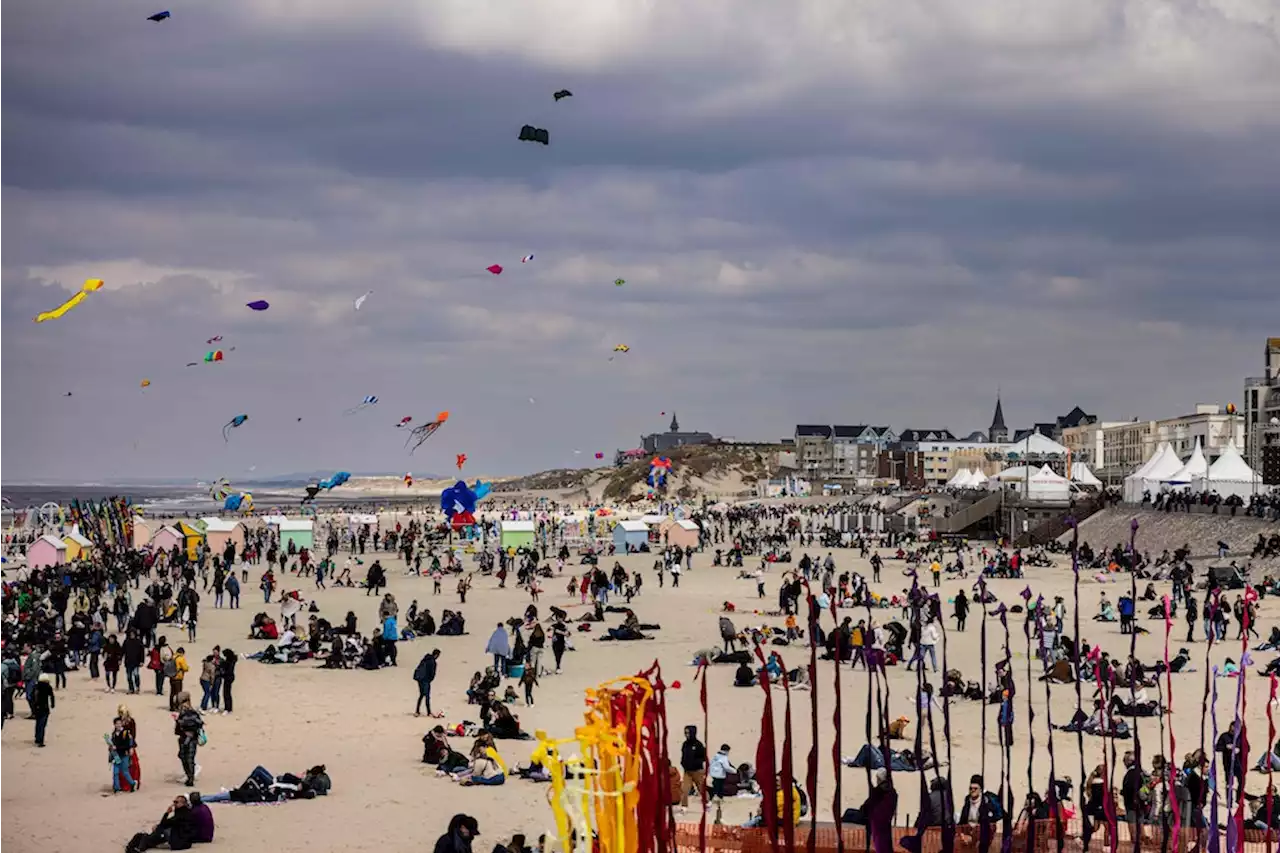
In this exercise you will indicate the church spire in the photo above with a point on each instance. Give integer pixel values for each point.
(675, 424)
(998, 431)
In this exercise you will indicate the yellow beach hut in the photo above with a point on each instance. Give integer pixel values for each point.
(78, 547)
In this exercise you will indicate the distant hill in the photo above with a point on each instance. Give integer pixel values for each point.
(703, 470)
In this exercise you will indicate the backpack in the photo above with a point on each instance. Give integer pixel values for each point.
(170, 668)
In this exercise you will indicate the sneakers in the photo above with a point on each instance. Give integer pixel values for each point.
(197, 773)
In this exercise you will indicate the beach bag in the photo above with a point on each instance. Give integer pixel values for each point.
(203, 738)
(137, 844)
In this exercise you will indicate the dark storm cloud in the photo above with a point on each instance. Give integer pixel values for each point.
(808, 231)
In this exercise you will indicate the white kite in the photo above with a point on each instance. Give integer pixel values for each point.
(360, 300)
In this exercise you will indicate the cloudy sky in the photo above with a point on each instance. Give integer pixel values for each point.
(873, 210)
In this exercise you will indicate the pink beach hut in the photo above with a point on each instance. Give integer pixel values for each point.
(219, 531)
(45, 552)
(165, 538)
(142, 530)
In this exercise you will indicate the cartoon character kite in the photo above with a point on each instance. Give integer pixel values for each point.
(459, 505)
(599, 455)
(234, 423)
(461, 460)
(419, 434)
(90, 285)
(219, 489)
(408, 480)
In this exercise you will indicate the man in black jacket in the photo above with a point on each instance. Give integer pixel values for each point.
(176, 828)
(458, 837)
(42, 702)
(135, 654)
(693, 760)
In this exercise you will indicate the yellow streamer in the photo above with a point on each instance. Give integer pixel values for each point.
(90, 285)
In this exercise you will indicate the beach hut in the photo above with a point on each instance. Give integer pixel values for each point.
(516, 533)
(629, 535)
(683, 534)
(165, 539)
(191, 539)
(219, 531)
(299, 531)
(78, 547)
(45, 552)
(142, 531)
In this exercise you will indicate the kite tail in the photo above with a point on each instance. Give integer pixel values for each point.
(1055, 808)
(1271, 739)
(1242, 726)
(706, 734)
(788, 771)
(1078, 662)
(766, 769)
(948, 815)
(1171, 767)
(836, 812)
(1006, 739)
(811, 770)
(1213, 765)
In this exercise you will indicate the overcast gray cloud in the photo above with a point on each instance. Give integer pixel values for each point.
(864, 211)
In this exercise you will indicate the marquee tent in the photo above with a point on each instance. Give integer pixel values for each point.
(1081, 475)
(1230, 475)
(1148, 477)
(1196, 468)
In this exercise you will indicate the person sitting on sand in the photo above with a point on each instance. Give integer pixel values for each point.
(745, 676)
(1106, 611)
(452, 624)
(435, 747)
(175, 828)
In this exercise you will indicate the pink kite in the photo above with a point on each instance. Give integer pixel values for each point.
(496, 269)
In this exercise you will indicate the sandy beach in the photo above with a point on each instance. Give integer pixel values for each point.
(360, 723)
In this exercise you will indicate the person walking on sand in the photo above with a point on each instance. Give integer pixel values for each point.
(499, 646)
(528, 679)
(693, 760)
(42, 704)
(424, 674)
(188, 728)
(121, 750)
(227, 673)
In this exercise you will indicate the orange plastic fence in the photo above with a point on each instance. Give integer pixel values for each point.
(732, 839)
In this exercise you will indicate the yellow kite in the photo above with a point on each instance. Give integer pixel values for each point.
(90, 285)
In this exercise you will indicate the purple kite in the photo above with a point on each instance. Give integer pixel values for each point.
(259, 304)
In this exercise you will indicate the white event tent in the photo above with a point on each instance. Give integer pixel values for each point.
(1149, 476)
(1230, 475)
(1081, 475)
(1048, 485)
(1195, 468)
(960, 480)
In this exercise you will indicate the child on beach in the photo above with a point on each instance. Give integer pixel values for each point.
(527, 681)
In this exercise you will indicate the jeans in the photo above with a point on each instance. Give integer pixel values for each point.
(133, 678)
(113, 676)
(921, 651)
(159, 682)
(217, 598)
(266, 596)
(207, 687)
(500, 665)
(120, 770)
(424, 695)
(42, 723)
(235, 600)
(488, 780)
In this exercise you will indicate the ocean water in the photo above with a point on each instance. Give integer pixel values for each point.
(190, 499)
